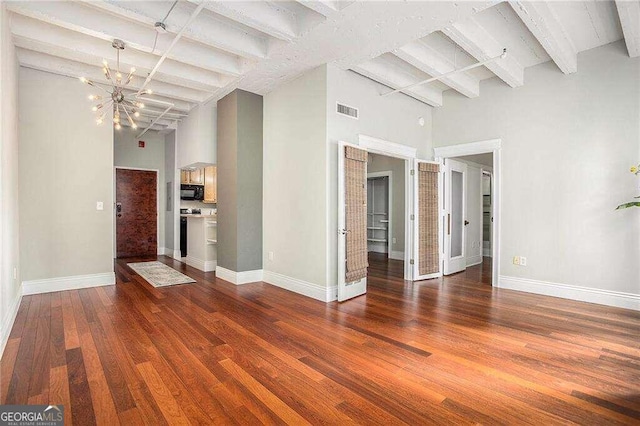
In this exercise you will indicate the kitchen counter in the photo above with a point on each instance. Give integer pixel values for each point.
(201, 241)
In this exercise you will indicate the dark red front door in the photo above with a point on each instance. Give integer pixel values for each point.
(136, 213)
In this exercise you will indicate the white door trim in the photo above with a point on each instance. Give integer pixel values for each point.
(408, 154)
(389, 174)
(113, 207)
(493, 146)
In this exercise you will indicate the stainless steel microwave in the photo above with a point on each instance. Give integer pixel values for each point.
(192, 192)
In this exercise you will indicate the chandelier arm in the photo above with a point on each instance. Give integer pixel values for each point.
(133, 124)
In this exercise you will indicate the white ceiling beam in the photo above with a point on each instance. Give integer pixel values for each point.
(432, 62)
(473, 38)
(265, 17)
(543, 23)
(157, 127)
(44, 62)
(323, 7)
(84, 48)
(72, 55)
(390, 77)
(205, 29)
(144, 121)
(87, 20)
(629, 12)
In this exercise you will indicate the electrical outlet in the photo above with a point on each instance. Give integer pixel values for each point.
(270, 255)
(394, 240)
(99, 205)
(516, 260)
(523, 261)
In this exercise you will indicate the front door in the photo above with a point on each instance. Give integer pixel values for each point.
(455, 216)
(352, 221)
(136, 213)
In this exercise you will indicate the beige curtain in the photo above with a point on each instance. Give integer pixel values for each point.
(428, 259)
(355, 176)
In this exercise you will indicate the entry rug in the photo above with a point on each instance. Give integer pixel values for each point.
(158, 274)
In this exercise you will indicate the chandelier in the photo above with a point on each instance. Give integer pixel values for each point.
(125, 106)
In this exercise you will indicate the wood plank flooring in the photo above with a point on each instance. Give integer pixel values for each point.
(448, 351)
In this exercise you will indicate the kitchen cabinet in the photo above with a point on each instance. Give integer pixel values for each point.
(210, 184)
(192, 177)
(197, 177)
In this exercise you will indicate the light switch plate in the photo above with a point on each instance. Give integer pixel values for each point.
(99, 205)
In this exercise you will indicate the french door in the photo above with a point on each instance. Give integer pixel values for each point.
(352, 221)
(455, 213)
(427, 224)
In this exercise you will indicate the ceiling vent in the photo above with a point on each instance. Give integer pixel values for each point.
(347, 110)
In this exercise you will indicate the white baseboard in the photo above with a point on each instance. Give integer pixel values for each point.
(238, 278)
(486, 252)
(397, 255)
(305, 288)
(177, 255)
(565, 291)
(161, 251)
(8, 320)
(377, 248)
(473, 260)
(67, 283)
(203, 265)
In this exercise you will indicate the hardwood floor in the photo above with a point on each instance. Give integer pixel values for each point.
(447, 351)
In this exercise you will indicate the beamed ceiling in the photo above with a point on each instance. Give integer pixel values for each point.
(257, 45)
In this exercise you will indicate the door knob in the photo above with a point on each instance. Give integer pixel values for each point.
(466, 222)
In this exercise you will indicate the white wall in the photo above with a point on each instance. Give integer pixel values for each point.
(294, 179)
(127, 154)
(10, 291)
(567, 144)
(196, 136)
(392, 118)
(65, 167)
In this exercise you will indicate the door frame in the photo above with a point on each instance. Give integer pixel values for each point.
(115, 168)
(408, 154)
(492, 146)
(389, 174)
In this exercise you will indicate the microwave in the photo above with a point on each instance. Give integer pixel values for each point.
(192, 192)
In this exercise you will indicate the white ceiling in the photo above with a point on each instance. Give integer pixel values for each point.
(257, 45)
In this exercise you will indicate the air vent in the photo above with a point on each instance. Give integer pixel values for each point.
(347, 110)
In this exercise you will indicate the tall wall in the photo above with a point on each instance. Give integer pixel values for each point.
(196, 136)
(127, 154)
(567, 144)
(239, 149)
(172, 189)
(10, 291)
(392, 118)
(381, 163)
(295, 185)
(65, 167)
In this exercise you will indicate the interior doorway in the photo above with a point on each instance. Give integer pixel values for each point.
(478, 207)
(136, 212)
(386, 214)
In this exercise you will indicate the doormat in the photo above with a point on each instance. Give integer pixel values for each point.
(159, 275)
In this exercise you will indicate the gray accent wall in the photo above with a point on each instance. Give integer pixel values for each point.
(239, 154)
